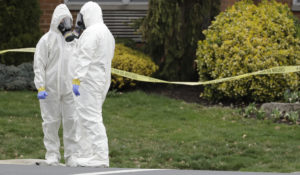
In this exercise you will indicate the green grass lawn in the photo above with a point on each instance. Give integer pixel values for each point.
(151, 131)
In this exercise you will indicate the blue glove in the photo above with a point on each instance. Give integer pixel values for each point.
(42, 95)
(75, 89)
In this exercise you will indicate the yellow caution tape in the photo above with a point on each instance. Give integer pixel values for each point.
(18, 50)
(137, 77)
(274, 70)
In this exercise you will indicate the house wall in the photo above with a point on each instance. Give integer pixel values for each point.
(48, 6)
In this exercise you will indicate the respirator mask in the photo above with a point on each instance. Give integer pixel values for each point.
(65, 27)
(80, 26)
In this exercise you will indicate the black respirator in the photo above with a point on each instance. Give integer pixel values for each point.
(65, 27)
(80, 26)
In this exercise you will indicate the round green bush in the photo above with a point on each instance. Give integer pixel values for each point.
(130, 60)
(248, 38)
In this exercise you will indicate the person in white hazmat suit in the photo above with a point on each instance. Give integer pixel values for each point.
(92, 77)
(52, 68)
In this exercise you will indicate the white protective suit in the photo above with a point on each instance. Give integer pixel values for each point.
(95, 51)
(52, 68)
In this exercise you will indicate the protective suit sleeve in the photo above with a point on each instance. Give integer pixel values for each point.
(39, 65)
(86, 45)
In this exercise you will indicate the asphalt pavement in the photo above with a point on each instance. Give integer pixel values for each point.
(29, 167)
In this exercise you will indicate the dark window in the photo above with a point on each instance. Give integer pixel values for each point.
(296, 5)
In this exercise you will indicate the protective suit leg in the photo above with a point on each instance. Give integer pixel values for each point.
(93, 141)
(69, 129)
(50, 110)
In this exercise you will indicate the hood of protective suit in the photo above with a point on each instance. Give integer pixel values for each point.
(60, 12)
(92, 14)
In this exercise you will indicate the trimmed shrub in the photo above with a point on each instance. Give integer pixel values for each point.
(171, 31)
(19, 27)
(17, 78)
(248, 38)
(132, 61)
